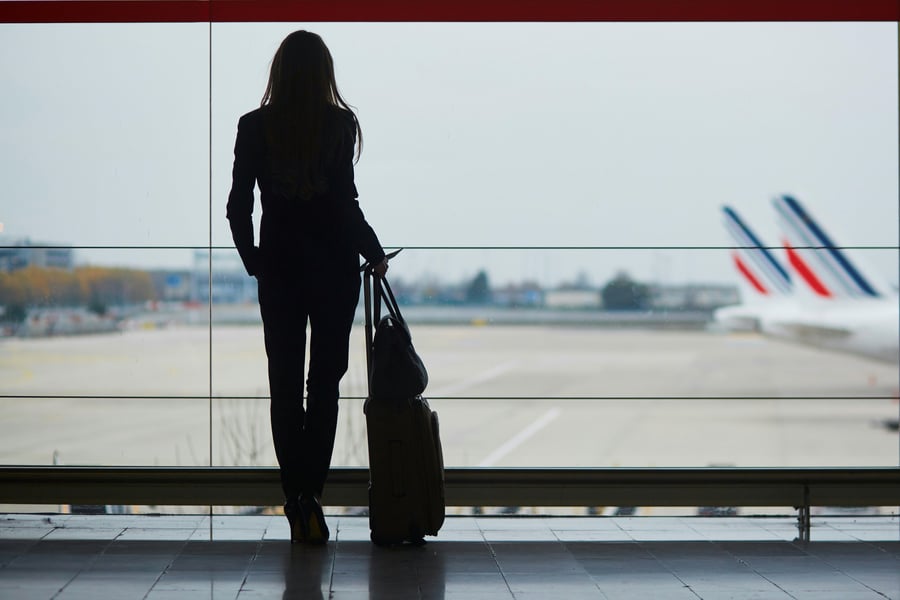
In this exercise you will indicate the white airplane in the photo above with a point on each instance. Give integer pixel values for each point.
(838, 306)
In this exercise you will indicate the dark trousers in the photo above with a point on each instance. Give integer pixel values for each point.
(304, 437)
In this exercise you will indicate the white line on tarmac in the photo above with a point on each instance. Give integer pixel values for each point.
(482, 377)
(515, 441)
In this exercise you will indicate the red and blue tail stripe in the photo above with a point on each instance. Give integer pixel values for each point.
(811, 251)
(753, 260)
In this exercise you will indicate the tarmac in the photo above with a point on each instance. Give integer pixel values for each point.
(539, 396)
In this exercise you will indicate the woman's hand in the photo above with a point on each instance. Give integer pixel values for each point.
(381, 268)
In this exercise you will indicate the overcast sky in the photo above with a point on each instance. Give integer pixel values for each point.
(475, 134)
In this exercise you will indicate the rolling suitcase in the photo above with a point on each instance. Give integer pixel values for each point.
(406, 465)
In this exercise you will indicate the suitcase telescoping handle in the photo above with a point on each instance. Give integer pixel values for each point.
(373, 306)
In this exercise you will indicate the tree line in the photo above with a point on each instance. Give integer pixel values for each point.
(98, 288)
(93, 287)
(619, 293)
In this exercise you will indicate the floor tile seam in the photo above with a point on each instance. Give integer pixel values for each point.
(53, 527)
(669, 570)
(761, 574)
(849, 576)
(493, 554)
(250, 563)
(836, 531)
(334, 555)
(619, 526)
(30, 543)
(705, 536)
(46, 523)
(168, 566)
(90, 564)
(877, 545)
(581, 566)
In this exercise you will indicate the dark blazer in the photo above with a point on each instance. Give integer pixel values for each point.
(326, 232)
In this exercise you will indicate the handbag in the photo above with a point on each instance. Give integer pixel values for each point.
(395, 368)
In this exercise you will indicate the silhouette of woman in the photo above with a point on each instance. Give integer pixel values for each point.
(299, 148)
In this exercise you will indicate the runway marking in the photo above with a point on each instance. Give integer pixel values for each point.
(482, 377)
(518, 439)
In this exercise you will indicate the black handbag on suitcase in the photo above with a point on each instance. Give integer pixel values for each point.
(406, 465)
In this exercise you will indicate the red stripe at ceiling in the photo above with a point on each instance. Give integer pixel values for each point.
(104, 11)
(557, 10)
(125, 11)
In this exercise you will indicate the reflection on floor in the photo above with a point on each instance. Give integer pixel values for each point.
(121, 557)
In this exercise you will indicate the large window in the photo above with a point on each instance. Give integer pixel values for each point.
(558, 190)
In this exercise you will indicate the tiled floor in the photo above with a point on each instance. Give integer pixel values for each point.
(122, 557)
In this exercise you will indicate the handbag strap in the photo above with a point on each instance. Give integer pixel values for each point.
(367, 295)
(373, 306)
(386, 295)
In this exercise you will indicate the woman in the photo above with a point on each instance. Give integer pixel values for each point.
(299, 148)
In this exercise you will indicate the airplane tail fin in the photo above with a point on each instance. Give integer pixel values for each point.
(756, 264)
(817, 259)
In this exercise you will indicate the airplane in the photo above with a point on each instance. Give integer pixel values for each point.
(839, 306)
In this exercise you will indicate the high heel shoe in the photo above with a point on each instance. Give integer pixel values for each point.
(316, 528)
(298, 521)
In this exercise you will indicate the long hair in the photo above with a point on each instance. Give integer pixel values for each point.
(301, 131)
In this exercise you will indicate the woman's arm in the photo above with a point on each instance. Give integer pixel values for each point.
(239, 209)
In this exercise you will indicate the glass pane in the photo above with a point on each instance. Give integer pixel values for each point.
(104, 363)
(545, 375)
(485, 432)
(105, 431)
(594, 134)
(106, 134)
